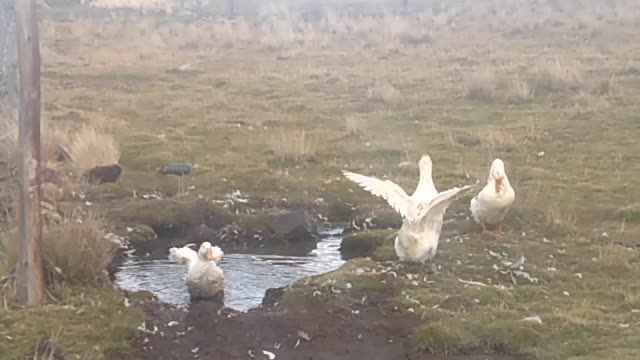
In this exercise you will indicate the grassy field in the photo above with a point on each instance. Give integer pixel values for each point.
(275, 106)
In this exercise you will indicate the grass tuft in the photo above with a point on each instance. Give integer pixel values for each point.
(557, 76)
(75, 250)
(355, 125)
(481, 84)
(293, 146)
(89, 148)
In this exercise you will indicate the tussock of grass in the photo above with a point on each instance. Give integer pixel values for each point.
(481, 84)
(355, 125)
(557, 76)
(442, 337)
(293, 146)
(499, 140)
(89, 148)
(54, 138)
(75, 250)
(520, 91)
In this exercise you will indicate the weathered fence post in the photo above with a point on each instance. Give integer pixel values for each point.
(30, 268)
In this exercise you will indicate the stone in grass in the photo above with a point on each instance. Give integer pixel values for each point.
(103, 174)
(140, 234)
(293, 224)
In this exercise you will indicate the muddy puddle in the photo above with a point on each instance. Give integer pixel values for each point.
(248, 276)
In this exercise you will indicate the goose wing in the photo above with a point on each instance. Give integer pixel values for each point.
(183, 255)
(440, 203)
(386, 189)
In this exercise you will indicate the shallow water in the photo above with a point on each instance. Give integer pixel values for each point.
(248, 276)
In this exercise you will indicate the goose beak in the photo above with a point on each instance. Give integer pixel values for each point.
(499, 184)
(210, 254)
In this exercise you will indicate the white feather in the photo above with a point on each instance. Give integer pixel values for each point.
(183, 255)
(204, 278)
(418, 241)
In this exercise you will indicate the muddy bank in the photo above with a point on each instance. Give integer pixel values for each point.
(151, 224)
(301, 329)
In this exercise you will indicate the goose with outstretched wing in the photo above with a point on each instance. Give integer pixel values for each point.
(422, 213)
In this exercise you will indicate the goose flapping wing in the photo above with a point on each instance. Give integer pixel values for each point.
(439, 203)
(386, 189)
(183, 255)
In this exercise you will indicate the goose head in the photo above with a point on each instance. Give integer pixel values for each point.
(426, 166)
(497, 175)
(206, 252)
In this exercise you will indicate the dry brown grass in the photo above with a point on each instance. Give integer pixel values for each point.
(499, 140)
(53, 139)
(293, 146)
(558, 76)
(384, 92)
(519, 91)
(75, 249)
(481, 84)
(89, 148)
(355, 125)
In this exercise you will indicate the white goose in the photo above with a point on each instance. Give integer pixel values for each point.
(422, 213)
(493, 202)
(204, 278)
(407, 206)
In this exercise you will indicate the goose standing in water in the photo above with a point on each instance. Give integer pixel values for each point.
(422, 213)
(204, 278)
(492, 204)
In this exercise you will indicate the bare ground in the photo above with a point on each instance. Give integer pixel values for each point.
(315, 330)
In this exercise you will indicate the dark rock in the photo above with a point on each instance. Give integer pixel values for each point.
(104, 174)
(203, 233)
(62, 155)
(48, 175)
(293, 225)
(141, 234)
(172, 217)
(116, 261)
(383, 218)
(340, 211)
(273, 296)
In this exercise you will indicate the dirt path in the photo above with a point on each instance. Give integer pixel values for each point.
(315, 331)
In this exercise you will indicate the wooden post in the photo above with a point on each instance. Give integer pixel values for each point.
(29, 269)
